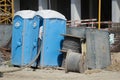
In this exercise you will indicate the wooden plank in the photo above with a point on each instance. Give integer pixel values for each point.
(69, 35)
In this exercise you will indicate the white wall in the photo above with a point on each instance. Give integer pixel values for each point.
(75, 9)
(116, 10)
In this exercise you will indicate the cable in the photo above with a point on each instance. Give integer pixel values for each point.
(28, 65)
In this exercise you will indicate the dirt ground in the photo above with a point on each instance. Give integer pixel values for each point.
(52, 74)
(111, 73)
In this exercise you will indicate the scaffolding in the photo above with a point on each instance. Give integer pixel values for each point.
(6, 11)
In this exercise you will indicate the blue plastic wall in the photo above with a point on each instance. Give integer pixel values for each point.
(52, 40)
(24, 40)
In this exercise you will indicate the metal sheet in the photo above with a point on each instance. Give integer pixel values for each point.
(98, 48)
(90, 49)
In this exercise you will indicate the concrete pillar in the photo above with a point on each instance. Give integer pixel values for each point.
(90, 8)
(116, 10)
(43, 4)
(16, 5)
(75, 9)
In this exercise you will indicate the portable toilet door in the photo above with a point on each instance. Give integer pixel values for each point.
(54, 24)
(24, 37)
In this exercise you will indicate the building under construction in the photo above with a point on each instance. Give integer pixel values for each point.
(72, 9)
(104, 13)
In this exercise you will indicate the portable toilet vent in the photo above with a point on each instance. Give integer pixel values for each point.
(54, 24)
(24, 37)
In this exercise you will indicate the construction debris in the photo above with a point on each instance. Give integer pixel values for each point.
(115, 62)
(115, 47)
(5, 54)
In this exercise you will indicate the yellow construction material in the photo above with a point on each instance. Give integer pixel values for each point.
(6, 11)
(99, 15)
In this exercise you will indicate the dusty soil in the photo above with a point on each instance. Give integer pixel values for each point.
(111, 73)
(115, 62)
(52, 74)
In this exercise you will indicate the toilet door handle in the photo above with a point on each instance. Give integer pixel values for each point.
(19, 43)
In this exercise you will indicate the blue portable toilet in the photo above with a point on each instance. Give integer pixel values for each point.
(24, 37)
(54, 24)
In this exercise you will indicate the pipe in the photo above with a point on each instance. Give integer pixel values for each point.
(12, 8)
(99, 15)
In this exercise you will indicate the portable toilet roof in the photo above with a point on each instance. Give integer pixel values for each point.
(25, 14)
(50, 14)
